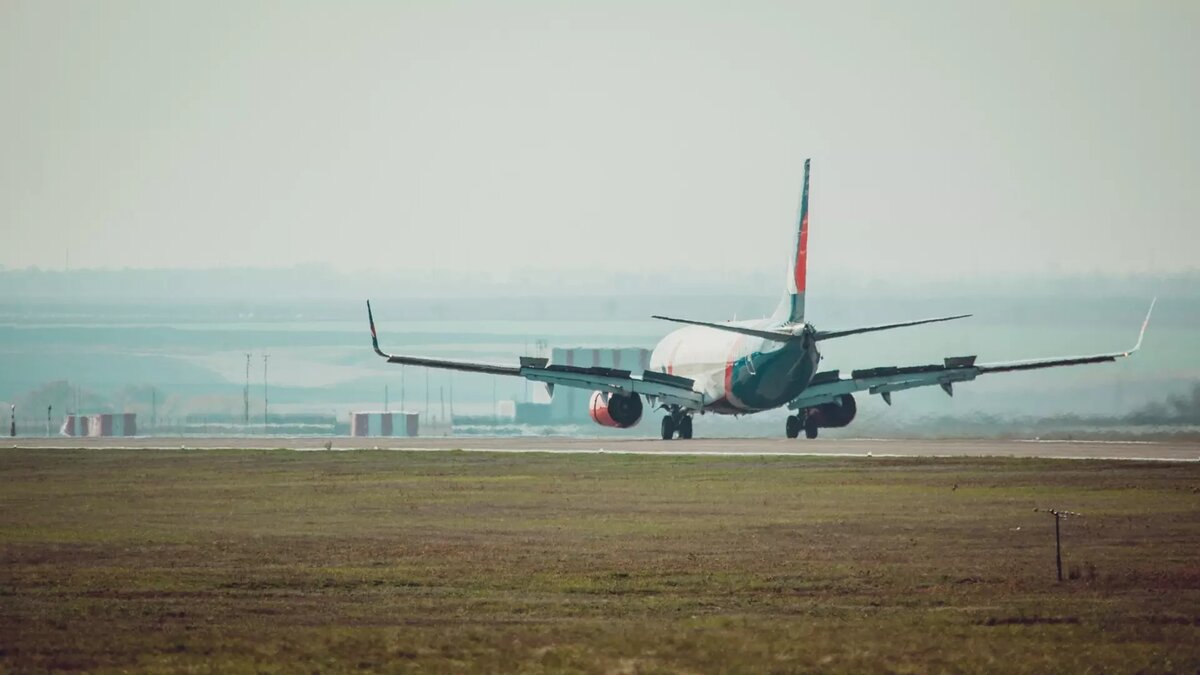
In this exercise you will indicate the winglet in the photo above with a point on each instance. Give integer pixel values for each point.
(1142, 332)
(374, 336)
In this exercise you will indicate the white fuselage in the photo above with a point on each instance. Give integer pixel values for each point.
(736, 373)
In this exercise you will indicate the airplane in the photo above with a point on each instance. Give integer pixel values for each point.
(745, 367)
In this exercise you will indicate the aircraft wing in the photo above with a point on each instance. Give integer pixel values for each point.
(668, 389)
(826, 387)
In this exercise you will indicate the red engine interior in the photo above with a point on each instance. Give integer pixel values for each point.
(615, 410)
(837, 414)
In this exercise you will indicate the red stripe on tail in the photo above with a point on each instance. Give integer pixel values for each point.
(802, 256)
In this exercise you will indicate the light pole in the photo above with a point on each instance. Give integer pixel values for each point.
(1058, 516)
(266, 401)
(12, 427)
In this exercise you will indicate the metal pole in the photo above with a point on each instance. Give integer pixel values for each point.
(49, 408)
(1058, 516)
(266, 401)
(1057, 547)
(12, 427)
(246, 395)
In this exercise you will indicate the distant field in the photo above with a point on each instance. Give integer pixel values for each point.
(264, 561)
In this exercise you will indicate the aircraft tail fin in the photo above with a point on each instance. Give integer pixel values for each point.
(791, 307)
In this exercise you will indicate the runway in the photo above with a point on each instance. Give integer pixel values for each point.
(1167, 450)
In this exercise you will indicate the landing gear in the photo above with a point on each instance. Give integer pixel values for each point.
(797, 422)
(676, 421)
(685, 427)
(793, 426)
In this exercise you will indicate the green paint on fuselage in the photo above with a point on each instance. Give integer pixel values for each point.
(770, 379)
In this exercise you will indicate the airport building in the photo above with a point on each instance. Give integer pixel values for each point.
(107, 424)
(383, 424)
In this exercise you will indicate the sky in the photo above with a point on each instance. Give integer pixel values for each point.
(949, 140)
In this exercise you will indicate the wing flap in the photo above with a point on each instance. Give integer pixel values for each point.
(678, 391)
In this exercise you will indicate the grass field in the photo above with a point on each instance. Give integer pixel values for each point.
(280, 561)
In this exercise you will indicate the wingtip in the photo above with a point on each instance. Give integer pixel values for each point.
(1145, 323)
(371, 321)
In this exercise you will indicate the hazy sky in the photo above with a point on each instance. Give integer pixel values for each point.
(955, 138)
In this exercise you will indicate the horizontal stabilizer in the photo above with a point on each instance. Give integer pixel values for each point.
(829, 334)
(776, 335)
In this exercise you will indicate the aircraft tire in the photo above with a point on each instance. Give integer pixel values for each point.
(810, 431)
(685, 428)
(793, 426)
(668, 428)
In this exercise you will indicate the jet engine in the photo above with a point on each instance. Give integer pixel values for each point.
(837, 414)
(615, 410)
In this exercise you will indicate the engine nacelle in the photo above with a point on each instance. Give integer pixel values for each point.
(615, 410)
(836, 414)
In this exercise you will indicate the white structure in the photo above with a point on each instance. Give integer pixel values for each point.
(383, 423)
(106, 424)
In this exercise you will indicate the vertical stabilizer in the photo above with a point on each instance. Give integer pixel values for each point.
(791, 308)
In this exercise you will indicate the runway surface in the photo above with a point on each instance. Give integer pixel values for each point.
(1135, 450)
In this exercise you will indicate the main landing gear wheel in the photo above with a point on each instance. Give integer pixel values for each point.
(793, 426)
(668, 428)
(685, 428)
(810, 430)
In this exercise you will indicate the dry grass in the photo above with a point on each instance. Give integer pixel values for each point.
(258, 561)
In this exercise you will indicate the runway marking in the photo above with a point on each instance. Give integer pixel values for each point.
(934, 448)
(732, 453)
(1082, 441)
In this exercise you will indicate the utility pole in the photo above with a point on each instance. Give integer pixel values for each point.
(1058, 516)
(246, 395)
(12, 427)
(49, 408)
(266, 401)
